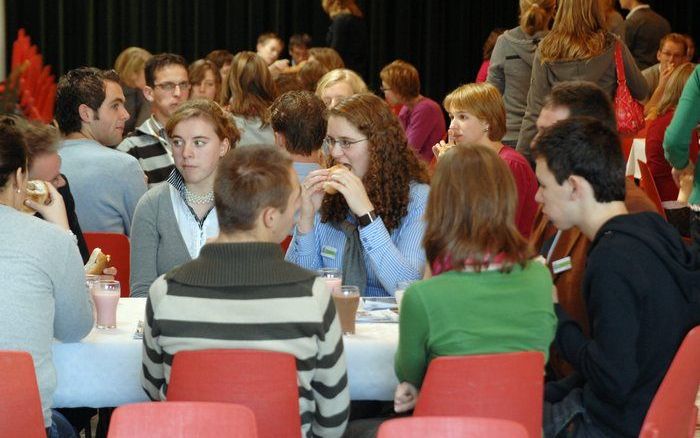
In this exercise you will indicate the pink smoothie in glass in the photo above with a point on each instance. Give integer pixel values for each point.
(106, 305)
(333, 284)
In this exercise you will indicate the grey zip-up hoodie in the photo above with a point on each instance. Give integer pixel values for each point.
(509, 71)
(599, 69)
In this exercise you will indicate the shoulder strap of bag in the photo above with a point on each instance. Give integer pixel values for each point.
(619, 65)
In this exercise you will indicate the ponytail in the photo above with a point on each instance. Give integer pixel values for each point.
(535, 15)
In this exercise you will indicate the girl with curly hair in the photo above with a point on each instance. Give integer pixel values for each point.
(372, 227)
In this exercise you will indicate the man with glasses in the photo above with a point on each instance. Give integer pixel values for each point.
(167, 86)
(672, 52)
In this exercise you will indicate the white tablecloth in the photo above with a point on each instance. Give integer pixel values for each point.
(104, 368)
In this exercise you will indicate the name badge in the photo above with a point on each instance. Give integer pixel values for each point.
(561, 265)
(329, 252)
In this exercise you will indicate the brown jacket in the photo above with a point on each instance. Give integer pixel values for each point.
(574, 244)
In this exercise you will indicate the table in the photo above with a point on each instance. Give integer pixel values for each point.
(104, 368)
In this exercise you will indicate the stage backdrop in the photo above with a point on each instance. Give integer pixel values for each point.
(442, 38)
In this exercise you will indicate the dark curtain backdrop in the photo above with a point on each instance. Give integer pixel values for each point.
(442, 38)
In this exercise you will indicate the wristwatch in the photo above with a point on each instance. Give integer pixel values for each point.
(367, 218)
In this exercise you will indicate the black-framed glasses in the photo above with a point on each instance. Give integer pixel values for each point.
(169, 87)
(329, 143)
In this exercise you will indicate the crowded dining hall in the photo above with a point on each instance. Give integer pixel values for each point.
(350, 219)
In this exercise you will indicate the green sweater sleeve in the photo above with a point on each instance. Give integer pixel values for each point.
(685, 119)
(412, 359)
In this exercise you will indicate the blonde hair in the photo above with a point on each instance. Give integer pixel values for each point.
(130, 62)
(536, 14)
(341, 75)
(484, 102)
(579, 32)
(223, 125)
(674, 89)
(335, 7)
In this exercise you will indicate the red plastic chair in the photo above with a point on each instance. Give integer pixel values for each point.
(20, 405)
(182, 419)
(117, 247)
(451, 427)
(507, 386)
(264, 381)
(285, 244)
(646, 183)
(673, 412)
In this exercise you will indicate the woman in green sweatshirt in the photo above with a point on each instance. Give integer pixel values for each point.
(490, 297)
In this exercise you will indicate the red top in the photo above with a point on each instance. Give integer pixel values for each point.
(660, 169)
(526, 183)
(483, 71)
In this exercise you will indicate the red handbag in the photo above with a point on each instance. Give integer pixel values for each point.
(628, 112)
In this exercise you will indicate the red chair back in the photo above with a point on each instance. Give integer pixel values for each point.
(451, 427)
(646, 183)
(20, 405)
(673, 412)
(264, 381)
(285, 243)
(182, 419)
(507, 386)
(117, 247)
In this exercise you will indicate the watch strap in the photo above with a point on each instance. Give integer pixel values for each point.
(366, 218)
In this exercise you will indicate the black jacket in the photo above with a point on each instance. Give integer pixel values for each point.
(642, 294)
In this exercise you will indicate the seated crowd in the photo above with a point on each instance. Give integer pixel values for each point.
(515, 222)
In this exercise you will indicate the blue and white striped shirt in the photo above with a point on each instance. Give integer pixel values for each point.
(389, 258)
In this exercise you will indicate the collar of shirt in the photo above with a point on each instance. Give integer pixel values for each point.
(635, 9)
(178, 182)
(158, 131)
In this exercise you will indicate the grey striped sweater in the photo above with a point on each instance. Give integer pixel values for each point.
(244, 295)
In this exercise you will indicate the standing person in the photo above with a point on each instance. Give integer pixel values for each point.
(299, 120)
(420, 116)
(248, 94)
(372, 227)
(205, 79)
(685, 119)
(511, 61)
(338, 84)
(241, 284)
(173, 221)
(644, 28)
(347, 33)
(613, 20)
(489, 296)
(167, 86)
(43, 283)
(478, 117)
(129, 65)
(639, 276)
(106, 183)
(577, 48)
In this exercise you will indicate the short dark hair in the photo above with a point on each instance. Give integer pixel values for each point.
(13, 150)
(159, 61)
(583, 98)
(220, 57)
(301, 117)
(300, 39)
(586, 147)
(248, 180)
(84, 85)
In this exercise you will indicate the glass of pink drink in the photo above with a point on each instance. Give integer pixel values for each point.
(106, 294)
(332, 277)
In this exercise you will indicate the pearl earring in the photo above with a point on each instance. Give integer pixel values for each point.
(486, 129)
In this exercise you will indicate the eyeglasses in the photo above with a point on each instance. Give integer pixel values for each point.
(169, 87)
(329, 143)
(384, 89)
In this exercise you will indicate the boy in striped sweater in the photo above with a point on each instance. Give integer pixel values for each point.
(240, 293)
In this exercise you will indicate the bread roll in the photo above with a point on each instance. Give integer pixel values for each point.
(327, 187)
(97, 262)
(37, 192)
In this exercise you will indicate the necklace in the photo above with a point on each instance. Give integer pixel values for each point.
(193, 198)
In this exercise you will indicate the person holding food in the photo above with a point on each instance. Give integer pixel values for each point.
(43, 291)
(175, 219)
(364, 216)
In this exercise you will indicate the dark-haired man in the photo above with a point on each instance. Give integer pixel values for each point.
(299, 122)
(565, 250)
(639, 286)
(106, 184)
(241, 284)
(644, 29)
(167, 86)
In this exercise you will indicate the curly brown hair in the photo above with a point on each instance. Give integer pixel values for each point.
(393, 164)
